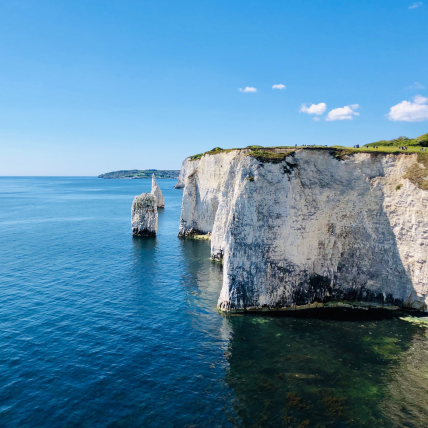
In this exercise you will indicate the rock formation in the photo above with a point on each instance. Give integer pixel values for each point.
(156, 190)
(311, 227)
(182, 175)
(145, 215)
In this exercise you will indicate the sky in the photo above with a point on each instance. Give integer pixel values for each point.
(90, 86)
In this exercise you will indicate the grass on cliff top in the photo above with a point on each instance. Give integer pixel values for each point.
(421, 141)
(416, 174)
(271, 154)
(265, 154)
(214, 151)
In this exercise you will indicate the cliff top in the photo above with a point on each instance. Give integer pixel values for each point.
(278, 153)
(417, 174)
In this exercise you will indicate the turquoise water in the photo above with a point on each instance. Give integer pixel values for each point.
(98, 329)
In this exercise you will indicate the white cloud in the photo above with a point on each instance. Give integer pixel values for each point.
(279, 86)
(410, 111)
(343, 113)
(248, 89)
(419, 99)
(416, 5)
(317, 109)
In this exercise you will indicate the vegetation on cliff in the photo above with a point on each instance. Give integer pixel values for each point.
(418, 172)
(421, 141)
(279, 153)
(214, 151)
(270, 156)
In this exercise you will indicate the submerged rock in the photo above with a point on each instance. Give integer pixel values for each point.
(145, 215)
(157, 192)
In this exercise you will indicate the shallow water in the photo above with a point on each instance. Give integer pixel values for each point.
(99, 329)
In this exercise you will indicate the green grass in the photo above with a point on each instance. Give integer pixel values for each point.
(416, 174)
(268, 153)
(214, 151)
(390, 149)
(269, 156)
(402, 141)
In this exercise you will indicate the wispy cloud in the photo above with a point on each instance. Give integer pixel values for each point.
(248, 89)
(316, 109)
(416, 5)
(410, 111)
(279, 86)
(416, 85)
(343, 113)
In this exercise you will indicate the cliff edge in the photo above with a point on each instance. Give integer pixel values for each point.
(298, 228)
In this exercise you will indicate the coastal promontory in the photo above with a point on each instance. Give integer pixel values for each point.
(307, 227)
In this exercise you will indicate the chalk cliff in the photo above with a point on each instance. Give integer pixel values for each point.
(309, 227)
(184, 172)
(156, 190)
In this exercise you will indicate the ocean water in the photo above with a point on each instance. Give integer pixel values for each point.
(100, 329)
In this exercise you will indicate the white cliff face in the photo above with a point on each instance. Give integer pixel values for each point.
(144, 215)
(157, 192)
(204, 184)
(312, 228)
(184, 172)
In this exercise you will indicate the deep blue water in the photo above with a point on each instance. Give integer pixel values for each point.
(100, 329)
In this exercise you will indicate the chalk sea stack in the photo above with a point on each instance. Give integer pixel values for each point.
(156, 190)
(312, 227)
(145, 215)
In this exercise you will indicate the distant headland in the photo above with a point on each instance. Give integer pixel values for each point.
(141, 173)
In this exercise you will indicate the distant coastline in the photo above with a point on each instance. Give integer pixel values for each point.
(141, 173)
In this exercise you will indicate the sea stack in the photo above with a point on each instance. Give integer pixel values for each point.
(145, 215)
(157, 192)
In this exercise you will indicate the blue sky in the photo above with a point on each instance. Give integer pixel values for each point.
(88, 86)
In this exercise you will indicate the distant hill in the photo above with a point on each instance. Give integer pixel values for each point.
(402, 141)
(141, 173)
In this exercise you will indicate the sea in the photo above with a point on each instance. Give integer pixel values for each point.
(101, 329)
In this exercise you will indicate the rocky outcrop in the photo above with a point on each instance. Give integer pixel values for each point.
(308, 228)
(145, 211)
(157, 192)
(145, 215)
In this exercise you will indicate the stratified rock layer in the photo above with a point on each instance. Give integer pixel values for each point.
(156, 190)
(311, 229)
(144, 215)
